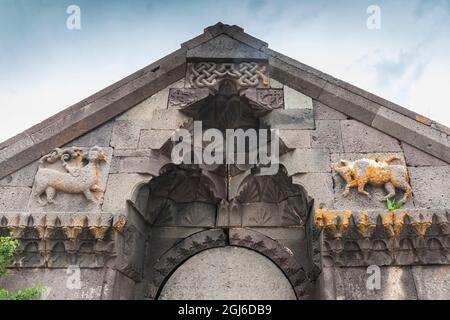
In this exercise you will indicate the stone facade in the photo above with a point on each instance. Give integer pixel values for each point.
(106, 198)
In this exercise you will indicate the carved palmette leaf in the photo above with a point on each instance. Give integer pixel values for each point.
(165, 215)
(290, 216)
(270, 192)
(249, 193)
(262, 217)
(204, 193)
(195, 217)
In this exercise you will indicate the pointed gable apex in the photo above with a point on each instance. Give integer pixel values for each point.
(223, 47)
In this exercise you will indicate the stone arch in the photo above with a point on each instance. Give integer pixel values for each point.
(229, 272)
(171, 260)
(196, 235)
(213, 206)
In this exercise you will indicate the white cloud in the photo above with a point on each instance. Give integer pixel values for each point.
(406, 62)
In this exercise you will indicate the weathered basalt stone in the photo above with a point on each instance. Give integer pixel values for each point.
(22, 178)
(327, 135)
(14, 198)
(125, 134)
(296, 139)
(431, 186)
(417, 158)
(413, 132)
(298, 119)
(294, 99)
(323, 112)
(306, 160)
(358, 137)
(319, 186)
(120, 187)
(170, 119)
(396, 283)
(100, 136)
(224, 47)
(432, 282)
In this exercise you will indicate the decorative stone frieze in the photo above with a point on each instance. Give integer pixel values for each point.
(291, 212)
(401, 237)
(58, 240)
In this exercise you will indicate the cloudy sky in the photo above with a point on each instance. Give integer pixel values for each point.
(46, 67)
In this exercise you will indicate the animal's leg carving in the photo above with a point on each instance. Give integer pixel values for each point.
(350, 184)
(391, 191)
(40, 189)
(39, 199)
(408, 192)
(50, 192)
(89, 196)
(96, 188)
(361, 184)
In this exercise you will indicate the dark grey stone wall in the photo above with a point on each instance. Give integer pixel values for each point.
(321, 136)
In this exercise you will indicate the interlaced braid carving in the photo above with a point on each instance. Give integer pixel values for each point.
(209, 74)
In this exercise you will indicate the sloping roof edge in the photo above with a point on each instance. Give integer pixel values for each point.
(84, 116)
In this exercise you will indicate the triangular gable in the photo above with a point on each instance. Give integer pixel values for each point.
(222, 42)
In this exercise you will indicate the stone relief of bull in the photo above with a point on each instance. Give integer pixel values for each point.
(78, 178)
(377, 172)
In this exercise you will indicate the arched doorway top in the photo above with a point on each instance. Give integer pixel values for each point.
(240, 237)
(228, 273)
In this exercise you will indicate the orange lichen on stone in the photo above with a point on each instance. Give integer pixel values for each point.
(421, 222)
(424, 120)
(119, 225)
(377, 172)
(364, 226)
(393, 222)
(377, 176)
(335, 222)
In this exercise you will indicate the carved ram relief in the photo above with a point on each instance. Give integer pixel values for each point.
(72, 178)
(378, 171)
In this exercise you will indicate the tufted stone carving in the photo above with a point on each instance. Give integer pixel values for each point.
(244, 74)
(401, 237)
(78, 173)
(377, 172)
